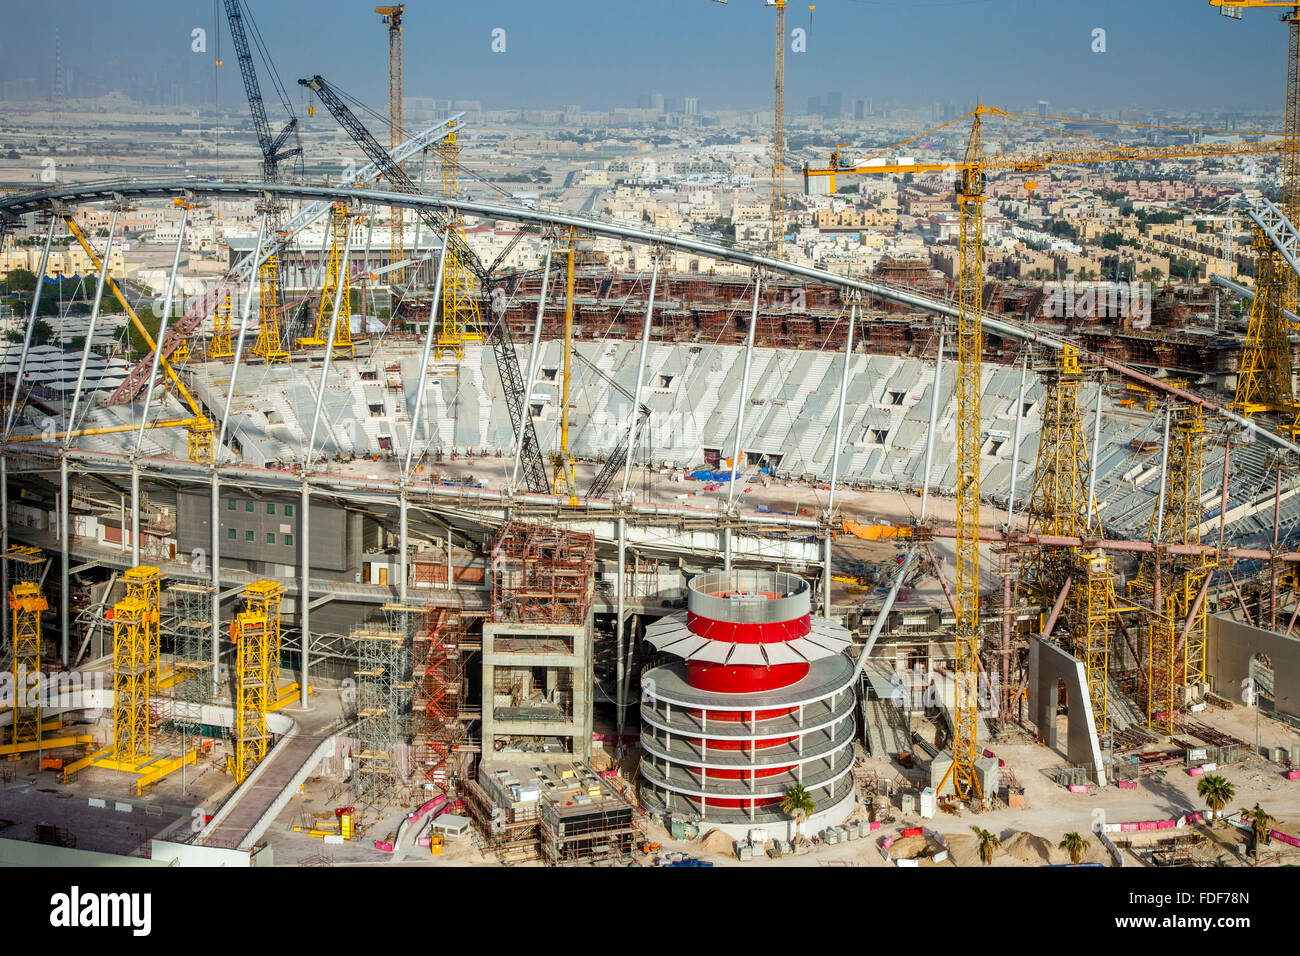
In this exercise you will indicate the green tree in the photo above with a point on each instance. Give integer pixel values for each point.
(20, 280)
(1075, 845)
(42, 332)
(798, 805)
(1260, 827)
(151, 323)
(988, 844)
(1216, 791)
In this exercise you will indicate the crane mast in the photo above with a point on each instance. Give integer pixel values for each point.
(268, 345)
(392, 17)
(778, 135)
(970, 345)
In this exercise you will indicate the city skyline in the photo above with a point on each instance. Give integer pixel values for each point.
(1003, 52)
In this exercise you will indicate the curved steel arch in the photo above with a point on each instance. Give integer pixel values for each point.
(79, 194)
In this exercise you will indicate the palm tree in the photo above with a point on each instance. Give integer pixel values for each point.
(1259, 821)
(988, 844)
(798, 805)
(1074, 845)
(1217, 793)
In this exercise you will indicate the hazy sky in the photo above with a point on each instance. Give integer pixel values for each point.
(1159, 53)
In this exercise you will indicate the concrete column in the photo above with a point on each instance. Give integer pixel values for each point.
(934, 427)
(304, 589)
(4, 544)
(640, 376)
(1015, 443)
(620, 662)
(736, 449)
(401, 540)
(63, 555)
(451, 576)
(216, 573)
(135, 512)
(9, 418)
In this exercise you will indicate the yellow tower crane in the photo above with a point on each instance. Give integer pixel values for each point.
(1264, 376)
(970, 283)
(392, 18)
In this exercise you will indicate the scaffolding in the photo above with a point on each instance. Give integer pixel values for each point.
(508, 830)
(268, 346)
(542, 575)
(337, 288)
(191, 650)
(602, 830)
(384, 686)
(26, 604)
(248, 632)
(25, 563)
(439, 690)
(133, 677)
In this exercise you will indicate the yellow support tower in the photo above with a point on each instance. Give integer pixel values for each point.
(564, 481)
(135, 678)
(337, 287)
(248, 632)
(1264, 377)
(1090, 626)
(1059, 506)
(26, 604)
(264, 598)
(1183, 522)
(220, 345)
(970, 346)
(1059, 503)
(268, 346)
(1171, 668)
(133, 675)
(144, 583)
(460, 315)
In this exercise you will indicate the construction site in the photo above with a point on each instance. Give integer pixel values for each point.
(716, 559)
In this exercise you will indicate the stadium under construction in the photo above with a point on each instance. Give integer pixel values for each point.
(564, 562)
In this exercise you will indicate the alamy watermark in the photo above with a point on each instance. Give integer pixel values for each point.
(1095, 300)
